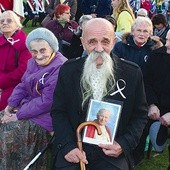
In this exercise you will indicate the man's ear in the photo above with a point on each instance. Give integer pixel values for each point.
(114, 41)
(82, 41)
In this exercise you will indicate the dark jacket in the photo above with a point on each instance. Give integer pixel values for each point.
(67, 112)
(128, 50)
(63, 34)
(76, 48)
(157, 80)
(99, 7)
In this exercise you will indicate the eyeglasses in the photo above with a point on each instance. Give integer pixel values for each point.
(67, 13)
(8, 21)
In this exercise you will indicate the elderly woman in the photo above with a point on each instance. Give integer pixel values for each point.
(62, 27)
(26, 120)
(137, 45)
(50, 9)
(14, 55)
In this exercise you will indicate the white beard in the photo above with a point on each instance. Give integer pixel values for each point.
(94, 80)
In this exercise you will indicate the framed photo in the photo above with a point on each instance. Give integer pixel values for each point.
(106, 115)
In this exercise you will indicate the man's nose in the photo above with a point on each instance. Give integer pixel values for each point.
(99, 48)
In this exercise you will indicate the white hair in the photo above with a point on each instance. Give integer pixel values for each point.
(106, 70)
(14, 16)
(142, 20)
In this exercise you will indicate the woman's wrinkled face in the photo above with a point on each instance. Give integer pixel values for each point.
(7, 24)
(65, 16)
(141, 33)
(41, 51)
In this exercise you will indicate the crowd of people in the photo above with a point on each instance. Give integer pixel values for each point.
(103, 51)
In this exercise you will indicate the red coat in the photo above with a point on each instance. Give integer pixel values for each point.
(12, 65)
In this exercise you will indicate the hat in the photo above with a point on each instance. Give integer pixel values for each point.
(142, 12)
(44, 34)
(158, 135)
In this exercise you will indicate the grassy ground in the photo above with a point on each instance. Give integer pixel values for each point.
(29, 28)
(159, 162)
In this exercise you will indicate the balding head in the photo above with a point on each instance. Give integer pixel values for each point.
(98, 35)
(97, 24)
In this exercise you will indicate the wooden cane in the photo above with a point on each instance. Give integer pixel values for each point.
(79, 142)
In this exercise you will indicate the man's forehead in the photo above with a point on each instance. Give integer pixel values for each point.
(98, 38)
(99, 34)
(37, 45)
(99, 26)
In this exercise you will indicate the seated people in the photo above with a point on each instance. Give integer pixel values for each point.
(158, 94)
(26, 120)
(33, 10)
(14, 55)
(28, 13)
(158, 91)
(62, 27)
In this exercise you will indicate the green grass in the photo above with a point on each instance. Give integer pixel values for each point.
(159, 162)
(29, 28)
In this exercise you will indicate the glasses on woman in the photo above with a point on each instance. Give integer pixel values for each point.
(67, 13)
(8, 21)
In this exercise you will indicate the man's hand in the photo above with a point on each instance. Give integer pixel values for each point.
(154, 112)
(165, 119)
(111, 150)
(75, 155)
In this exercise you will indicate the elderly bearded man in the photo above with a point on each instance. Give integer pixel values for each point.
(98, 76)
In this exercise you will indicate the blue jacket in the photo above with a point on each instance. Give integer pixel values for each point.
(128, 50)
(33, 96)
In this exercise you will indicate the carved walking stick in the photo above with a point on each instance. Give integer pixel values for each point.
(79, 142)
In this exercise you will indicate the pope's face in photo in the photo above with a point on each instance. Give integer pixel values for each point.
(103, 117)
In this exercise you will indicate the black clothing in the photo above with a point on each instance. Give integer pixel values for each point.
(67, 113)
